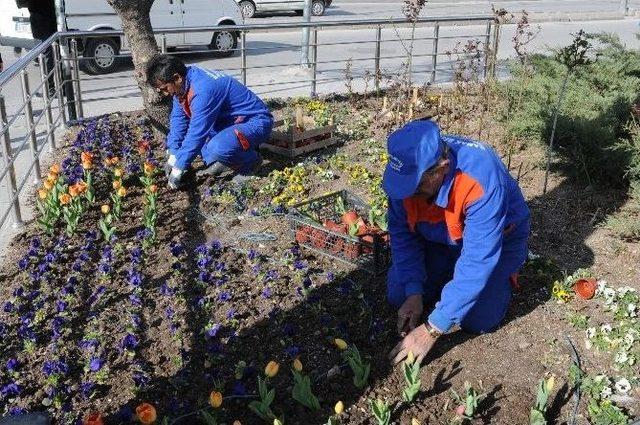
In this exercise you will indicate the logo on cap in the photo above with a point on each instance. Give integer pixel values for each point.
(395, 163)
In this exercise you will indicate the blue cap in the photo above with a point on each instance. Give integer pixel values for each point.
(413, 149)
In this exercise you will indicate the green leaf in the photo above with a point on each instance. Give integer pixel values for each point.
(537, 418)
(208, 418)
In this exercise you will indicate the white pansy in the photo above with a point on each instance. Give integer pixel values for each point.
(621, 357)
(628, 340)
(602, 284)
(591, 332)
(631, 308)
(623, 386)
(609, 295)
(606, 392)
(605, 329)
(614, 307)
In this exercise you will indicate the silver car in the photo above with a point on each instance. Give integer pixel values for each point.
(250, 7)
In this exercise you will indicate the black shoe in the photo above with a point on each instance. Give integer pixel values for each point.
(215, 169)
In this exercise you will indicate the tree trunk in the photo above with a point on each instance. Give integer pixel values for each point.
(136, 25)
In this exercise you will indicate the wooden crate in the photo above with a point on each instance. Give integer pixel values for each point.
(297, 142)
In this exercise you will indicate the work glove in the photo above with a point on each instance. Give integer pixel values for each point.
(169, 164)
(175, 178)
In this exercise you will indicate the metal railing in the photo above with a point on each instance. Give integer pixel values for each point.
(66, 102)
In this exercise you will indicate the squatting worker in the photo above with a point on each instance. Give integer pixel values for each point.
(214, 116)
(459, 227)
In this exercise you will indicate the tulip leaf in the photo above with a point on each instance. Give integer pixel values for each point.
(208, 418)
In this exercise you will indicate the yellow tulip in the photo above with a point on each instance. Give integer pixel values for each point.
(410, 357)
(297, 365)
(122, 192)
(236, 422)
(42, 194)
(118, 172)
(272, 369)
(550, 383)
(340, 343)
(339, 407)
(48, 185)
(55, 169)
(215, 399)
(116, 184)
(105, 209)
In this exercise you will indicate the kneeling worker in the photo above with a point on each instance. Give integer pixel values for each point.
(459, 227)
(214, 116)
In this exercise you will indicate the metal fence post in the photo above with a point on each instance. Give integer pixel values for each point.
(243, 56)
(314, 63)
(494, 53)
(434, 54)
(47, 102)
(377, 56)
(624, 7)
(76, 78)
(487, 50)
(164, 43)
(57, 78)
(28, 120)
(11, 174)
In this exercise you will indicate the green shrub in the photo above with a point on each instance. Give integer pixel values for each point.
(592, 135)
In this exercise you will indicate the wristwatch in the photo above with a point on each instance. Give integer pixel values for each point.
(433, 331)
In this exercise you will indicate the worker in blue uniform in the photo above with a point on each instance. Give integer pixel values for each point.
(459, 227)
(213, 115)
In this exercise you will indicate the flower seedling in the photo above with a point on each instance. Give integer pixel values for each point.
(301, 391)
(411, 369)
(545, 386)
(262, 407)
(381, 411)
(359, 367)
(468, 406)
(106, 222)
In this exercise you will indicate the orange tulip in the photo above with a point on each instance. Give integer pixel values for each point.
(215, 399)
(153, 188)
(118, 172)
(73, 191)
(143, 146)
(112, 161)
(42, 194)
(82, 186)
(93, 419)
(64, 199)
(272, 369)
(116, 184)
(52, 177)
(54, 169)
(146, 413)
(148, 168)
(122, 192)
(105, 209)
(48, 185)
(86, 157)
(87, 165)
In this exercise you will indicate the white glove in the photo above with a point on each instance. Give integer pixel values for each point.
(172, 160)
(175, 178)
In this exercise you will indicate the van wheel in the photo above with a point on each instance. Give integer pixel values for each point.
(101, 55)
(224, 43)
(317, 8)
(247, 8)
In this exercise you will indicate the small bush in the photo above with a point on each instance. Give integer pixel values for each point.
(592, 136)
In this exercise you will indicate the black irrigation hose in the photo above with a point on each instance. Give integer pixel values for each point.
(576, 394)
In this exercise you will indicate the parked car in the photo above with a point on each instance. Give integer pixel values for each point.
(250, 7)
(101, 53)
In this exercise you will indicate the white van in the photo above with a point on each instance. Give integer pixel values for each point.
(250, 7)
(91, 15)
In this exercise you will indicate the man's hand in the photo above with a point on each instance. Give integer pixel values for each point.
(419, 341)
(409, 314)
(175, 178)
